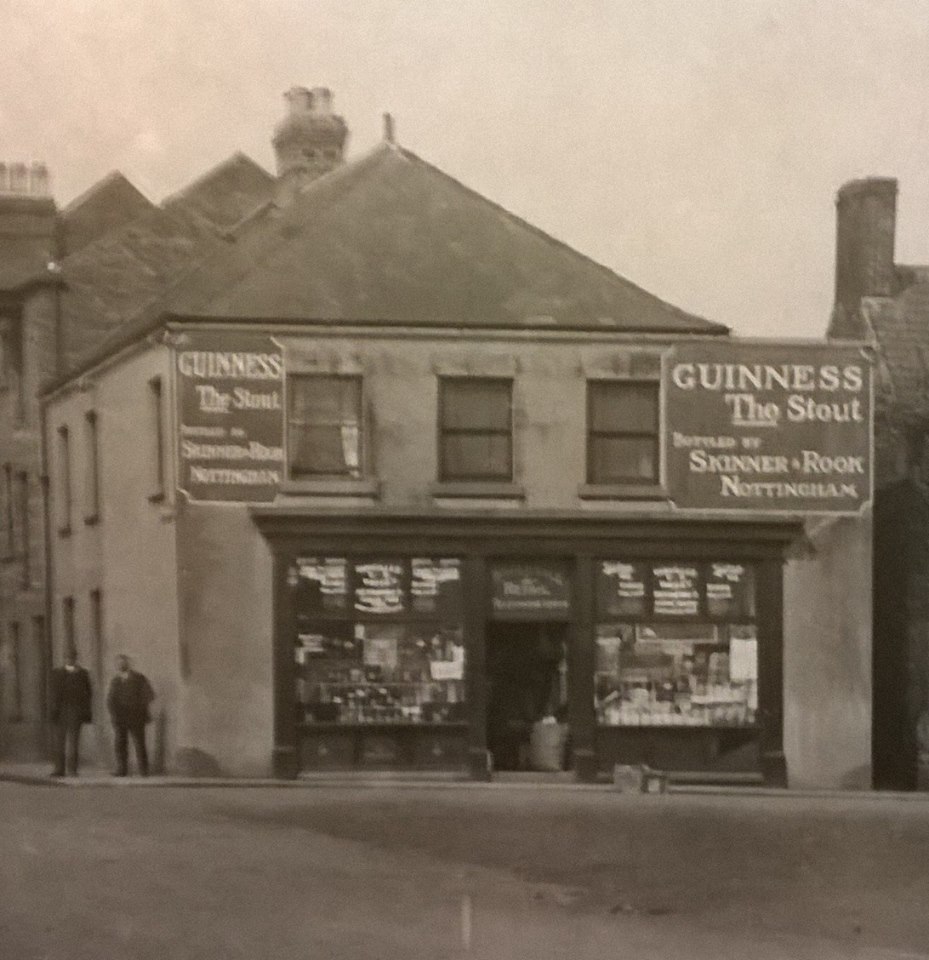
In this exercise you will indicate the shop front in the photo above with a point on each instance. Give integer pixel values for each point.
(475, 644)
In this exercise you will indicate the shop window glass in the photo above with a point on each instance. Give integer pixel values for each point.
(677, 644)
(325, 426)
(622, 432)
(379, 640)
(475, 429)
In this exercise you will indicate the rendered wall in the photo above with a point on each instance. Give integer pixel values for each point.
(129, 553)
(827, 657)
(225, 588)
(549, 399)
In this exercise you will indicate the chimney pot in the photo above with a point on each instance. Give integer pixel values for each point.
(309, 141)
(299, 100)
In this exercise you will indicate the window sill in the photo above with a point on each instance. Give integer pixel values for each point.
(478, 488)
(348, 487)
(622, 491)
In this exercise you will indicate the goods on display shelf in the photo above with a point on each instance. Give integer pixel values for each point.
(676, 675)
(370, 673)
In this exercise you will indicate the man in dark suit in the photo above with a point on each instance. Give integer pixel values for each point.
(71, 707)
(128, 701)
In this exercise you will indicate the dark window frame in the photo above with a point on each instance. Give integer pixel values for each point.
(68, 624)
(64, 480)
(92, 479)
(97, 645)
(10, 508)
(592, 435)
(15, 659)
(25, 517)
(443, 431)
(310, 475)
(156, 403)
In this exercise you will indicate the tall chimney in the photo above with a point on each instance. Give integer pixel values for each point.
(866, 219)
(309, 141)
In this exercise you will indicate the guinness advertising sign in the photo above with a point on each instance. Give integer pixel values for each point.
(768, 427)
(230, 402)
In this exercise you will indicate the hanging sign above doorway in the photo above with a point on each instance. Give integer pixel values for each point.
(530, 591)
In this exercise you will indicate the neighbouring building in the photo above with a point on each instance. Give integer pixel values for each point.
(886, 304)
(67, 278)
(388, 478)
(30, 249)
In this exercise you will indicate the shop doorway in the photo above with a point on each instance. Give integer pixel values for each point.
(527, 698)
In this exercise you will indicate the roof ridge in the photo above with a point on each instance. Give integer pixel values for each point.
(561, 244)
(236, 156)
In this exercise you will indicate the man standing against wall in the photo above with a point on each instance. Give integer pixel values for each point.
(128, 701)
(71, 699)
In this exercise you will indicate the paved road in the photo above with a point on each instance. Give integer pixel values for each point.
(384, 873)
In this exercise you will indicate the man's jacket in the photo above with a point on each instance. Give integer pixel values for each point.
(129, 699)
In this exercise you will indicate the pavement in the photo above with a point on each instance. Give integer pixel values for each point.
(444, 870)
(38, 774)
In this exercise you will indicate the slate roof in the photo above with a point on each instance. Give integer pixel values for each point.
(899, 327)
(139, 250)
(391, 238)
(225, 195)
(386, 239)
(109, 204)
(112, 278)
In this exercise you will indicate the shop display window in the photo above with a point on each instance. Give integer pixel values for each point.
(677, 644)
(379, 641)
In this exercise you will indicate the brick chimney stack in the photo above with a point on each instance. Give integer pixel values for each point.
(309, 141)
(866, 220)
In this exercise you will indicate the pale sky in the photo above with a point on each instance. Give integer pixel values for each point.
(694, 146)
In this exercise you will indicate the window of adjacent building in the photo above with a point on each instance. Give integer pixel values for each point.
(64, 481)
(92, 468)
(622, 432)
(14, 665)
(9, 512)
(22, 481)
(475, 429)
(39, 644)
(96, 639)
(325, 426)
(11, 365)
(67, 624)
(156, 404)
